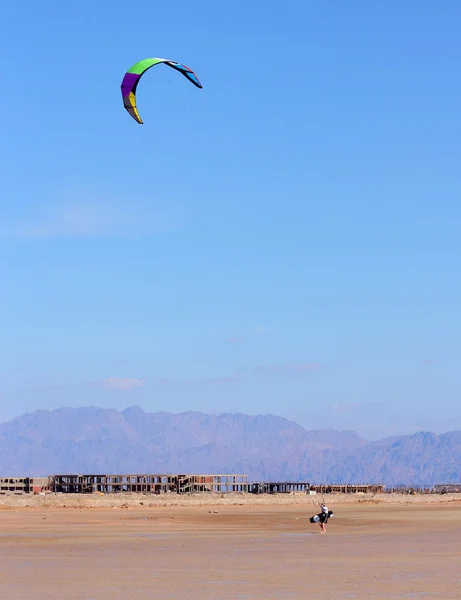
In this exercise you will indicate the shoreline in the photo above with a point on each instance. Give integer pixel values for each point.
(136, 500)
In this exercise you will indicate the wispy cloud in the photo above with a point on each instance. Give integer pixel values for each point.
(243, 373)
(236, 340)
(225, 380)
(262, 370)
(260, 329)
(122, 383)
(353, 406)
(171, 381)
(83, 218)
(430, 362)
(217, 380)
(293, 369)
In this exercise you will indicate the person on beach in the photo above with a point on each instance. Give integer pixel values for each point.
(323, 517)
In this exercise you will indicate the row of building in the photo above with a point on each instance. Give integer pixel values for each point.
(167, 483)
(192, 484)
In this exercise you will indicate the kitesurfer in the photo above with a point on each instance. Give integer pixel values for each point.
(323, 517)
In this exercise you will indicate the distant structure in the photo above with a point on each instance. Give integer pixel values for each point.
(136, 483)
(149, 484)
(447, 488)
(289, 487)
(348, 488)
(24, 485)
(274, 487)
(195, 483)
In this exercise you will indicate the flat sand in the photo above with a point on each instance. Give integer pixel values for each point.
(98, 548)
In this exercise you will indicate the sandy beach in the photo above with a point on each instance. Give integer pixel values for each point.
(98, 548)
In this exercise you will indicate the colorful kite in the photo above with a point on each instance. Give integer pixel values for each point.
(133, 75)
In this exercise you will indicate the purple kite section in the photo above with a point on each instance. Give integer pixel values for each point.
(128, 83)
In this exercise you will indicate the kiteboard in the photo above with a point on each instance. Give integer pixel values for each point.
(316, 518)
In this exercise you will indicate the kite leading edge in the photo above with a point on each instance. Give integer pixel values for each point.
(134, 74)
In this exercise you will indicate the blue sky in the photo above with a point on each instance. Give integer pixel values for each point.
(286, 240)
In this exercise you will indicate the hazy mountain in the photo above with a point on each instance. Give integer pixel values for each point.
(265, 447)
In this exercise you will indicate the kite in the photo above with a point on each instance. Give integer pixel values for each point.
(133, 75)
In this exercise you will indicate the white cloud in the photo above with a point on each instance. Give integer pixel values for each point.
(84, 218)
(122, 383)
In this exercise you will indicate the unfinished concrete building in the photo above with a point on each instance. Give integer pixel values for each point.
(148, 483)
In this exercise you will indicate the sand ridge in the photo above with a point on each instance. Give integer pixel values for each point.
(234, 499)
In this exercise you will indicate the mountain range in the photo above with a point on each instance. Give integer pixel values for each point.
(265, 447)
